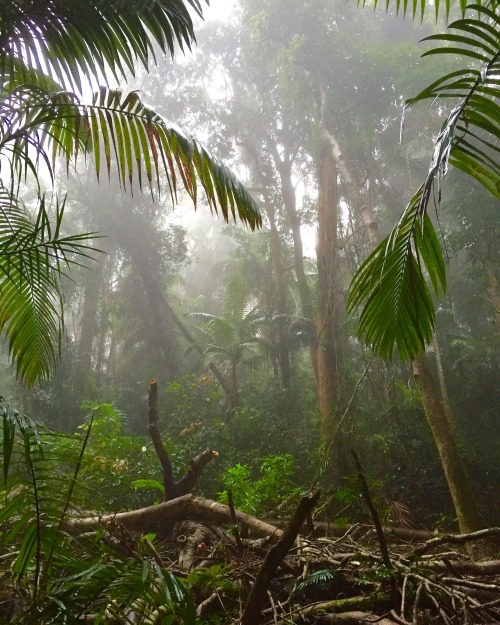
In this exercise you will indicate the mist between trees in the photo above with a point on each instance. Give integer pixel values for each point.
(259, 338)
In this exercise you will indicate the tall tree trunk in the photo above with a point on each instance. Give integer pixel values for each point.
(275, 248)
(456, 475)
(284, 167)
(442, 383)
(278, 272)
(103, 331)
(328, 393)
(83, 362)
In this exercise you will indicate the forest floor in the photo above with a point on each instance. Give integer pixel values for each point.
(315, 574)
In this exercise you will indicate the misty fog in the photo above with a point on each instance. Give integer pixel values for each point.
(251, 333)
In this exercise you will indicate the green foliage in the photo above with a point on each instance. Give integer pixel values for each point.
(265, 494)
(117, 468)
(316, 578)
(398, 310)
(68, 43)
(398, 306)
(56, 577)
(43, 53)
(34, 254)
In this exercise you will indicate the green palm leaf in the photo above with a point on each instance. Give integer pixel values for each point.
(469, 138)
(33, 255)
(126, 131)
(391, 286)
(398, 307)
(68, 39)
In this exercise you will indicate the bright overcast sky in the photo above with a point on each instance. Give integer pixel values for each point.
(218, 9)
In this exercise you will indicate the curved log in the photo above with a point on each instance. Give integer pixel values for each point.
(160, 518)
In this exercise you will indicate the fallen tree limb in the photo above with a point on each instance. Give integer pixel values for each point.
(160, 518)
(276, 554)
(491, 567)
(350, 604)
(355, 618)
(459, 539)
(322, 528)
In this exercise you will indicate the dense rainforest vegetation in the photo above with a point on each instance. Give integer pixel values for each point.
(283, 406)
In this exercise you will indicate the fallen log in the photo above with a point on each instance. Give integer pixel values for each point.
(160, 518)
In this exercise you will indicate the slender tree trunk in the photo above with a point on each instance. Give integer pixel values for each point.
(88, 325)
(278, 272)
(456, 475)
(442, 383)
(104, 324)
(328, 393)
(284, 167)
(275, 248)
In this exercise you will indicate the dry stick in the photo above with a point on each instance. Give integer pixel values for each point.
(252, 612)
(236, 530)
(374, 512)
(456, 538)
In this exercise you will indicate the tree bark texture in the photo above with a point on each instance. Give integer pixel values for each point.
(454, 470)
(327, 315)
(160, 518)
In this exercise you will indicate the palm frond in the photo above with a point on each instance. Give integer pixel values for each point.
(418, 8)
(122, 128)
(61, 578)
(391, 285)
(470, 136)
(398, 307)
(68, 39)
(33, 256)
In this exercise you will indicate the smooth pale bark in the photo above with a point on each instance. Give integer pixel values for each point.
(326, 319)
(161, 518)
(454, 469)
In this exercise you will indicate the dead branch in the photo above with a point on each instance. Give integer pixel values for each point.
(161, 452)
(276, 554)
(373, 511)
(187, 482)
(160, 518)
(457, 539)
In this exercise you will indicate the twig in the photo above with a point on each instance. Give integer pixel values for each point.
(236, 529)
(374, 512)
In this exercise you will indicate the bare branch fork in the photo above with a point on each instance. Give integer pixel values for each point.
(187, 482)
